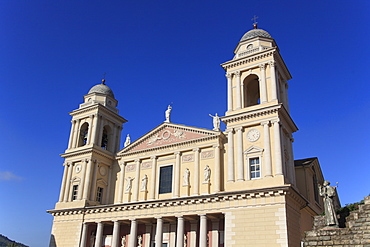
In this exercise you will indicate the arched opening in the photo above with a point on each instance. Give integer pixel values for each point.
(84, 131)
(251, 91)
(105, 137)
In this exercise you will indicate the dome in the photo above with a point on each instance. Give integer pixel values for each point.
(255, 33)
(102, 88)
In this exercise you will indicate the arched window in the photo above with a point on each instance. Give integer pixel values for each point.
(251, 91)
(82, 138)
(105, 137)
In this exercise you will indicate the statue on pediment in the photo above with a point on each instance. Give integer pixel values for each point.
(168, 114)
(216, 122)
(127, 141)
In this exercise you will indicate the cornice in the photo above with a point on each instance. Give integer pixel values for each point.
(88, 151)
(269, 110)
(249, 59)
(98, 107)
(218, 197)
(188, 143)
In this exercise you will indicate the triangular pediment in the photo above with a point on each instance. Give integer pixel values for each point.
(168, 134)
(253, 149)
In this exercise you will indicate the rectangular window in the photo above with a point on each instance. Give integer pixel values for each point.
(99, 194)
(165, 179)
(255, 168)
(74, 192)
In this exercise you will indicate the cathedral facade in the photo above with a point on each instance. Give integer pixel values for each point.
(191, 187)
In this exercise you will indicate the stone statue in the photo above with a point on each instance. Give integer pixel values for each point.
(128, 141)
(216, 121)
(186, 177)
(207, 174)
(128, 184)
(123, 241)
(144, 183)
(328, 193)
(168, 114)
(139, 241)
(185, 240)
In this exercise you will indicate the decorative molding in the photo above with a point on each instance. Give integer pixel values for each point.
(146, 165)
(187, 158)
(207, 155)
(173, 203)
(243, 61)
(130, 167)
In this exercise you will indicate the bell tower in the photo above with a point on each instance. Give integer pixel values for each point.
(93, 143)
(259, 125)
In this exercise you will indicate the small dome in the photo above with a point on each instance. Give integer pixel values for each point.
(102, 88)
(255, 33)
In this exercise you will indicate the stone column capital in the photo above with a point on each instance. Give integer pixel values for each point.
(237, 73)
(196, 150)
(228, 130)
(272, 63)
(228, 75)
(262, 66)
(177, 153)
(277, 120)
(216, 146)
(265, 122)
(137, 161)
(153, 157)
(239, 128)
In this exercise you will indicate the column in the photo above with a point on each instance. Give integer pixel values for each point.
(230, 155)
(107, 192)
(95, 168)
(121, 182)
(94, 129)
(112, 145)
(277, 147)
(238, 91)
(229, 92)
(215, 232)
(239, 154)
(137, 182)
(273, 80)
(90, 130)
(159, 232)
(267, 152)
(68, 183)
(153, 179)
(64, 181)
(115, 237)
(180, 231)
(71, 134)
(84, 235)
(87, 185)
(196, 171)
(133, 234)
(75, 133)
(217, 168)
(203, 231)
(177, 176)
(262, 84)
(83, 178)
(99, 235)
(100, 129)
(117, 139)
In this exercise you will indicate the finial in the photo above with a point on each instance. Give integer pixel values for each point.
(103, 80)
(254, 19)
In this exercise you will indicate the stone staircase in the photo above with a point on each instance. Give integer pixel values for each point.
(355, 234)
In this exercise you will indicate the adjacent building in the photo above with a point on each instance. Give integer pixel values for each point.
(186, 186)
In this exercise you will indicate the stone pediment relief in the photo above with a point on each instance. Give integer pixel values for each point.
(167, 134)
(253, 150)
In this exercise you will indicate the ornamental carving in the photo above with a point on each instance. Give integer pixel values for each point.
(166, 136)
(131, 168)
(187, 158)
(207, 155)
(146, 165)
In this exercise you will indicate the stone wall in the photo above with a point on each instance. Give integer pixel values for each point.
(355, 234)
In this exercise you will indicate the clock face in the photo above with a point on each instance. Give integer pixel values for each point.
(78, 168)
(253, 135)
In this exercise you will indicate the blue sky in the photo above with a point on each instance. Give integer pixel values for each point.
(158, 52)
